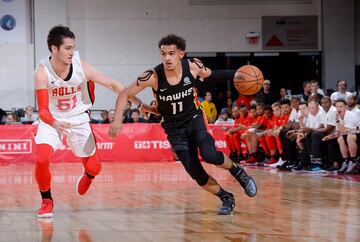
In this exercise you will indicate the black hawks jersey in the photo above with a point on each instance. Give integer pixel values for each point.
(176, 103)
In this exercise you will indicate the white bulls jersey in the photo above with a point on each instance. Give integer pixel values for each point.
(69, 100)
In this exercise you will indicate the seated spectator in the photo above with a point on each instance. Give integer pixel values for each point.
(29, 116)
(150, 117)
(282, 93)
(265, 95)
(11, 119)
(224, 118)
(347, 124)
(135, 116)
(315, 90)
(209, 108)
(351, 105)
(341, 92)
(229, 106)
(306, 91)
(127, 113)
(247, 100)
(104, 117)
(330, 140)
(111, 115)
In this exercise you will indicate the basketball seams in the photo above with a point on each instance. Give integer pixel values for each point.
(246, 86)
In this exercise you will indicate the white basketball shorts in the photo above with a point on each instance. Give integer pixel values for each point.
(79, 137)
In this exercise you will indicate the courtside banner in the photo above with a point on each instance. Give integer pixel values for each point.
(136, 142)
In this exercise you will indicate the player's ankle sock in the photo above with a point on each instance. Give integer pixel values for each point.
(90, 176)
(46, 194)
(222, 194)
(234, 170)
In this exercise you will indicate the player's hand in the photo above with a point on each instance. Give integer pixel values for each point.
(60, 126)
(114, 129)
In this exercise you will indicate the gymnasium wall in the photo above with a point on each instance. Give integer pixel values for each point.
(119, 37)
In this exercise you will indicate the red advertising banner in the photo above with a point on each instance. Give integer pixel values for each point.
(136, 142)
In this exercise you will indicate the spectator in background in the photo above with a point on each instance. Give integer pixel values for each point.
(209, 108)
(265, 95)
(29, 117)
(11, 119)
(229, 106)
(341, 92)
(315, 89)
(346, 123)
(282, 93)
(244, 100)
(224, 118)
(104, 117)
(306, 91)
(351, 105)
(2, 116)
(127, 112)
(135, 116)
(111, 115)
(150, 117)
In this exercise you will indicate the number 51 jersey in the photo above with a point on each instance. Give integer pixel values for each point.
(69, 99)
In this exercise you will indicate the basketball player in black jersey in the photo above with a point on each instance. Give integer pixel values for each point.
(173, 85)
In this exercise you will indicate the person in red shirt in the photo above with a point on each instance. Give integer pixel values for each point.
(233, 135)
(272, 136)
(244, 99)
(256, 128)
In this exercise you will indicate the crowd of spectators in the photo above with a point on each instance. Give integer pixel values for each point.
(313, 131)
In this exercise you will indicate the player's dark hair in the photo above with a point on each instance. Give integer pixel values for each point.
(341, 101)
(285, 101)
(173, 39)
(135, 110)
(304, 103)
(57, 34)
(337, 83)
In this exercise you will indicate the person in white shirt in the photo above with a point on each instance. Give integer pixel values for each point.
(333, 149)
(347, 124)
(29, 116)
(351, 105)
(224, 118)
(341, 92)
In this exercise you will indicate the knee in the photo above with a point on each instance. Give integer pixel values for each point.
(93, 165)
(212, 156)
(43, 161)
(351, 138)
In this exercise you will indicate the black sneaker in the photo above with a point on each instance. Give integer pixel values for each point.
(228, 205)
(332, 169)
(247, 182)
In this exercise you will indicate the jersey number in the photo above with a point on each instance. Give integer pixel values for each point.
(174, 106)
(64, 104)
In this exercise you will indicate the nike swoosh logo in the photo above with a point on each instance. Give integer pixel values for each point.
(162, 90)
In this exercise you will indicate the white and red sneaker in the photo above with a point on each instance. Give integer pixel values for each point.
(46, 210)
(271, 162)
(83, 184)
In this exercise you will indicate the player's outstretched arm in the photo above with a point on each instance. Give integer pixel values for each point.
(146, 80)
(197, 68)
(100, 78)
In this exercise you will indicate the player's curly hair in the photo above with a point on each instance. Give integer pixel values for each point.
(173, 39)
(57, 34)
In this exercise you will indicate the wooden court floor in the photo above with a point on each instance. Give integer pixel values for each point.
(158, 202)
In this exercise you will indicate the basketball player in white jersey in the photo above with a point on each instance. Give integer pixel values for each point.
(65, 91)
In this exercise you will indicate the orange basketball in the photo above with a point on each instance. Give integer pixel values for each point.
(248, 80)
